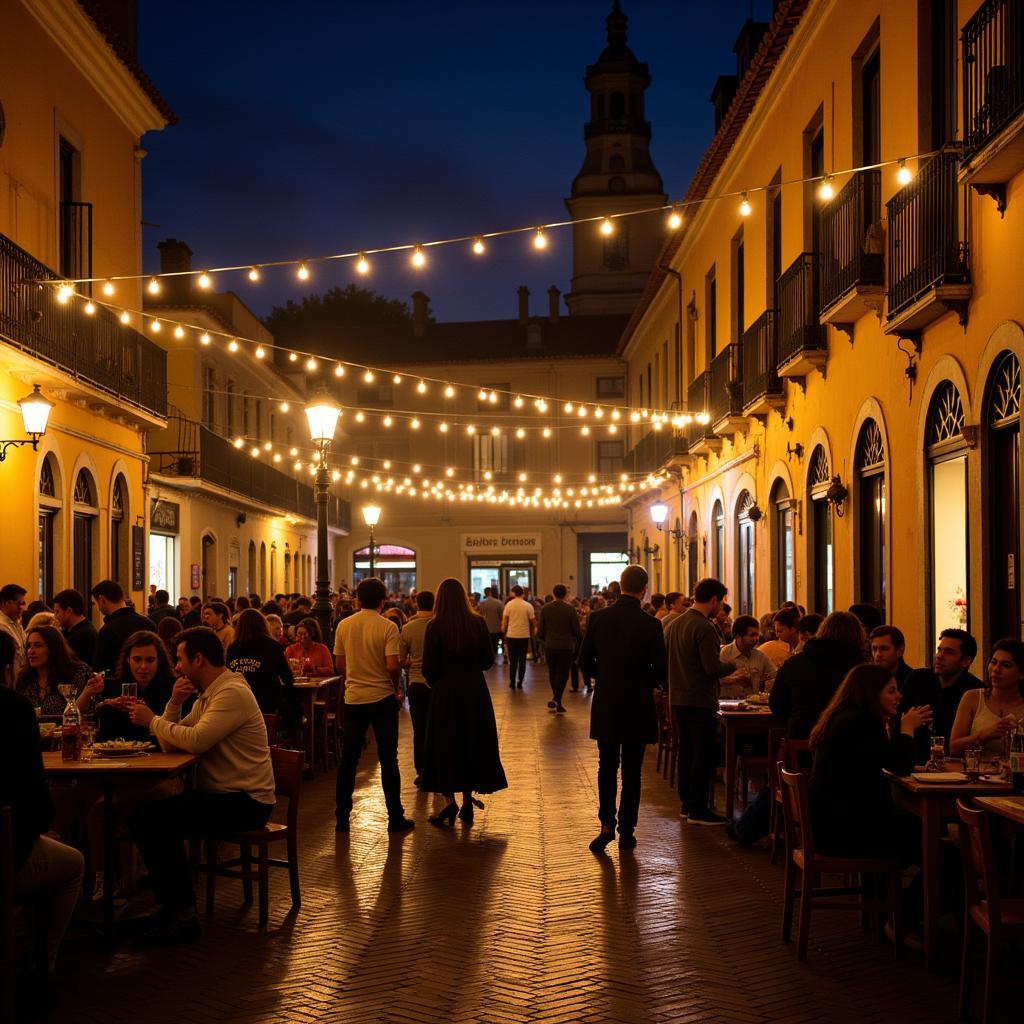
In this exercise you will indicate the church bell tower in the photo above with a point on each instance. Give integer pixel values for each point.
(618, 175)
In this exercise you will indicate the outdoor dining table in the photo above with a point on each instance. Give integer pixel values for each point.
(743, 720)
(1009, 807)
(933, 804)
(108, 774)
(306, 690)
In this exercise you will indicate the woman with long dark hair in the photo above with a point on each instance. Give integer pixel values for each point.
(461, 750)
(312, 654)
(50, 663)
(145, 662)
(255, 654)
(986, 717)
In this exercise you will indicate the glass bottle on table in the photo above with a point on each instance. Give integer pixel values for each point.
(71, 728)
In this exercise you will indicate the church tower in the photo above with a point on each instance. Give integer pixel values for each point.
(609, 271)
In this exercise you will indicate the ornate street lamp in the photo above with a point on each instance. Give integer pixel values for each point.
(35, 411)
(322, 412)
(371, 516)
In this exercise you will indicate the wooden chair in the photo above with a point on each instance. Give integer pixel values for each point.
(1000, 920)
(791, 754)
(327, 722)
(288, 767)
(803, 861)
(273, 723)
(751, 762)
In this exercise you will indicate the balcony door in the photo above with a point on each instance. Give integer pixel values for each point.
(782, 554)
(745, 555)
(692, 554)
(83, 540)
(718, 541)
(818, 481)
(872, 501)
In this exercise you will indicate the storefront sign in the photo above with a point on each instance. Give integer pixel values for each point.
(498, 543)
(138, 558)
(164, 516)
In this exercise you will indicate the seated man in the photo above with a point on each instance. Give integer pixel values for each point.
(234, 785)
(752, 663)
(45, 870)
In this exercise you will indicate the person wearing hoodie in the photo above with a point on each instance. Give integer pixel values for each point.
(807, 681)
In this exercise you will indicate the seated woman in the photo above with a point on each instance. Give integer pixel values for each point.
(310, 650)
(145, 662)
(51, 663)
(986, 717)
(256, 655)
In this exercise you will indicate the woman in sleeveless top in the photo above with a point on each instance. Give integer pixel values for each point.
(985, 717)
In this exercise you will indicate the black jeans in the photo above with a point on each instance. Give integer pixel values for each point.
(559, 663)
(516, 647)
(698, 750)
(382, 716)
(160, 829)
(419, 709)
(609, 757)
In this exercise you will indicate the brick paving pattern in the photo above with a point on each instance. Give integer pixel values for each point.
(511, 920)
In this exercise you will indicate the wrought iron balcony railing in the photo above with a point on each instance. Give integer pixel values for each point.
(726, 384)
(698, 397)
(760, 360)
(798, 329)
(97, 350)
(76, 242)
(993, 76)
(655, 450)
(846, 223)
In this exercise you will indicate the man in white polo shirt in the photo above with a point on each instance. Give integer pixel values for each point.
(517, 623)
(366, 656)
(234, 790)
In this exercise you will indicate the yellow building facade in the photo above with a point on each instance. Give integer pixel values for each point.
(73, 107)
(858, 356)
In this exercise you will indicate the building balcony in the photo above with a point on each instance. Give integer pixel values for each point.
(993, 98)
(928, 266)
(656, 450)
(700, 438)
(762, 387)
(89, 355)
(802, 340)
(852, 274)
(726, 399)
(197, 456)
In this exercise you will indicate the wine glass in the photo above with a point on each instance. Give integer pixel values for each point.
(68, 691)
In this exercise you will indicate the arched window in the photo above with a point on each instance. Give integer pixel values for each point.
(287, 569)
(84, 546)
(252, 570)
(820, 563)
(208, 565)
(692, 553)
(273, 567)
(783, 567)
(718, 541)
(263, 573)
(871, 508)
(947, 507)
(745, 554)
(50, 505)
(1002, 418)
(616, 104)
(120, 535)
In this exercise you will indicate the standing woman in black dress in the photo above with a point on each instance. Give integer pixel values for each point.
(461, 748)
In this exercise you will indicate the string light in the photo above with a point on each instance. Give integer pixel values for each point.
(108, 287)
(520, 433)
(368, 377)
(284, 407)
(362, 264)
(311, 364)
(261, 352)
(478, 246)
(414, 423)
(540, 240)
(397, 379)
(303, 272)
(90, 308)
(233, 346)
(675, 219)
(607, 227)
(339, 370)
(546, 432)
(293, 357)
(744, 205)
(825, 190)
(126, 317)
(64, 293)
(904, 175)
(204, 280)
(449, 392)
(422, 387)
(204, 339)
(419, 257)
(254, 274)
(179, 331)
(443, 427)
(154, 326)
(153, 287)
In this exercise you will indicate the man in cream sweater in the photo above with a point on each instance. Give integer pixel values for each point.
(234, 785)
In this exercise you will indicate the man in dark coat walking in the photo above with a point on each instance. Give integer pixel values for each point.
(624, 648)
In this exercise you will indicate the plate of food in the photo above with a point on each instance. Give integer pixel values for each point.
(757, 699)
(47, 729)
(122, 748)
(939, 778)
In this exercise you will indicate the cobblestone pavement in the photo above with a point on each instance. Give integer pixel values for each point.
(510, 920)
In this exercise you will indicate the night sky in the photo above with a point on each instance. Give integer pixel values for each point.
(316, 127)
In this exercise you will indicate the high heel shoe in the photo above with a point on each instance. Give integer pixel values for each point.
(466, 814)
(446, 816)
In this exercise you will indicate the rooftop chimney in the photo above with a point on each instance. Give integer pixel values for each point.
(524, 304)
(553, 297)
(175, 256)
(420, 307)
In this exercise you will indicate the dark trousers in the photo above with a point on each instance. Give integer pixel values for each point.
(160, 829)
(419, 709)
(559, 663)
(698, 749)
(609, 758)
(382, 716)
(516, 648)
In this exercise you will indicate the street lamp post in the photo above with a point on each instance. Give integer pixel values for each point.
(35, 411)
(371, 516)
(322, 412)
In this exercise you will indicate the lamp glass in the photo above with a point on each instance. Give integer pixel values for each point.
(659, 513)
(371, 515)
(322, 413)
(35, 411)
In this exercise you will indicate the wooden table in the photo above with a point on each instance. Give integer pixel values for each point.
(738, 722)
(935, 804)
(306, 690)
(1009, 807)
(107, 773)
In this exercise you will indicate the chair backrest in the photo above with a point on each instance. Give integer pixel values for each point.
(794, 754)
(272, 722)
(335, 692)
(288, 768)
(796, 812)
(981, 881)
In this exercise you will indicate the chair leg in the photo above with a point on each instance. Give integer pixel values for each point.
(245, 853)
(264, 884)
(993, 958)
(966, 970)
(803, 934)
(789, 895)
(898, 930)
(293, 870)
(211, 872)
(773, 830)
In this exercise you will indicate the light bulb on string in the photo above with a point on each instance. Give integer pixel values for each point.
(585, 430)
(303, 272)
(422, 387)
(362, 264)
(607, 227)
(232, 345)
(293, 357)
(254, 274)
(581, 411)
(204, 338)
(540, 240)
(542, 406)
(744, 205)
(567, 408)
(339, 370)
(481, 395)
(825, 189)
(443, 427)
(518, 401)
(267, 446)
(545, 433)
(368, 376)
(598, 412)
(387, 421)
(493, 398)
(495, 431)
(64, 293)
(904, 175)
(179, 331)
(419, 257)
(478, 246)
(675, 219)
(254, 451)
(449, 392)
(203, 280)
(284, 407)
(126, 317)
(154, 326)
(239, 441)
(470, 429)
(414, 423)
(616, 414)
(261, 352)
(108, 288)
(89, 308)
(360, 417)
(153, 287)
(397, 379)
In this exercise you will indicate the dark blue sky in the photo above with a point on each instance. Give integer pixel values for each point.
(316, 127)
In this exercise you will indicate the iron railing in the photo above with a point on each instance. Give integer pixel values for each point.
(698, 396)
(97, 349)
(654, 450)
(798, 329)
(925, 247)
(845, 225)
(727, 383)
(190, 449)
(760, 359)
(76, 242)
(993, 76)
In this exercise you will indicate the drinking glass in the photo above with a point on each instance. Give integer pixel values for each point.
(755, 680)
(130, 690)
(88, 738)
(972, 763)
(938, 752)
